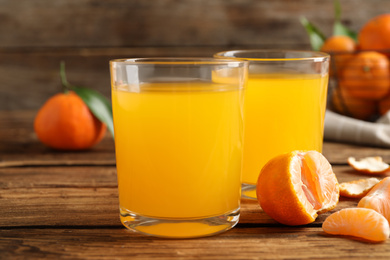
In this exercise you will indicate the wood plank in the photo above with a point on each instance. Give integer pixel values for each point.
(58, 177)
(100, 176)
(150, 23)
(19, 146)
(30, 55)
(59, 207)
(338, 153)
(28, 78)
(238, 243)
(79, 206)
(97, 207)
(72, 196)
(14, 152)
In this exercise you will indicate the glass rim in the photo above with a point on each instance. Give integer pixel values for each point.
(314, 55)
(179, 61)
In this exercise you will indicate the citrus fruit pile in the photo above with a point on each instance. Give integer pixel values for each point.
(370, 220)
(295, 187)
(361, 68)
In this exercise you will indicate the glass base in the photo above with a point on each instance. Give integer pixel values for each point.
(179, 228)
(248, 191)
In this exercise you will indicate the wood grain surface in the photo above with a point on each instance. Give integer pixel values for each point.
(64, 205)
(35, 36)
(119, 23)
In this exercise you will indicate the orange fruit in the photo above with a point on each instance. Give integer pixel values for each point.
(384, 105)
(369, 165)
(295, 187)
(367, 76)
(358, 222)
(348, 105)
(339, 43)
(341, 48)
(374, 35)
(357, 188)
(64, 122)
(378, 198)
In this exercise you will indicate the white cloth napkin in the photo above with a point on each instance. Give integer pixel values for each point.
(349, 130)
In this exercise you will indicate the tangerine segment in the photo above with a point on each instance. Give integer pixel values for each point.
(294, 188)
(370, 165)
(358, 222)
(357, 188)
(378, 198)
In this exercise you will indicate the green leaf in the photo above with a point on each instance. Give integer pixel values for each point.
(317, 38)
(98, 104)
(338, 27)
(337, 10)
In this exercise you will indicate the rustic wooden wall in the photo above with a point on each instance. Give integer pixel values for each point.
(36, 35)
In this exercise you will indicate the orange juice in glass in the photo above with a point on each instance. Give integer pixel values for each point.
(285, 104)
(178, 137)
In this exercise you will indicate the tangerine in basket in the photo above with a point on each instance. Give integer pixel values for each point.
(65, 122)
(348, 105)
(367, 76)
(384, 105)
(358, 222)
(295, 187)
(374, 35)
(341, 48)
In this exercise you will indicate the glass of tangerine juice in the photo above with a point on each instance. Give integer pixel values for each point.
(285, 102)
(178, 126)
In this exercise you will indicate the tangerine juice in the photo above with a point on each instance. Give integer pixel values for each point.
(178, 150)
(283, 112)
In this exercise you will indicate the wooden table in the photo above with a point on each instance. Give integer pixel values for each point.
(65, 205)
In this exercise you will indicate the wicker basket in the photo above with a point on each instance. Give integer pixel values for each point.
(359, 84)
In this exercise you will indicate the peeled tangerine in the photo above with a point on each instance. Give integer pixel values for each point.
(369, 165)
(358, 222)
(378, 198)
(293, 188)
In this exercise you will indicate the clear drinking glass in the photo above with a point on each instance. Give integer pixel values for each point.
(178, 126)
(285, 102)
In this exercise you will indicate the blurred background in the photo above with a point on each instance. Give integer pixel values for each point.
(35, 36)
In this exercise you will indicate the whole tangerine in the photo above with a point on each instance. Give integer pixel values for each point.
(358, 108)
(341, 48)
(374, 35)
(65, 122)
(384, 105)
(367, 76)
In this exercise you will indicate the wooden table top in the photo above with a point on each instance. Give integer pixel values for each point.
(65, 205)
